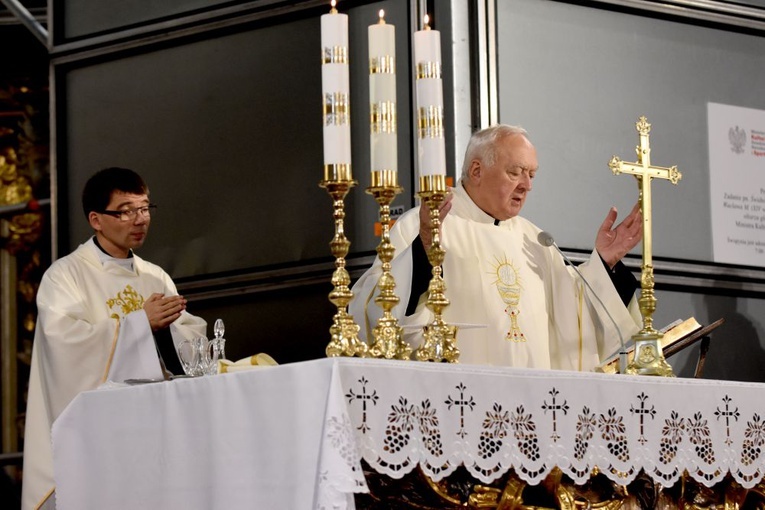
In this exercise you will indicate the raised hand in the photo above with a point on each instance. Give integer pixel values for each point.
(614, 243)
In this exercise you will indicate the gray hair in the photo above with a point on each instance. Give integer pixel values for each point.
(482, 145)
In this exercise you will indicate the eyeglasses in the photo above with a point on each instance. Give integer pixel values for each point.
(130, 214)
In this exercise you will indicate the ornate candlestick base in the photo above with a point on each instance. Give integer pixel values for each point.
(344, 331)
(344, 334)
(440, 338)
(440, 341)
(388, 340)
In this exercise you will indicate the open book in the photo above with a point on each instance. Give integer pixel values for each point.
(673, 334)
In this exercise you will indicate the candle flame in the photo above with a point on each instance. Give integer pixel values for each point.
(426, 21)
(382, 16)
(332, 5)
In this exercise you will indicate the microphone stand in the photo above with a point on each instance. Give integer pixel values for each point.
(545, 239)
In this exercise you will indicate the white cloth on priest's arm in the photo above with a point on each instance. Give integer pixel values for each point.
(500, 276)
(90, 327)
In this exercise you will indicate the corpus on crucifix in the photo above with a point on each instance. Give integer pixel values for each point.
(648, 359)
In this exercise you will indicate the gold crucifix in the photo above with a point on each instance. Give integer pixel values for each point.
(648, 358)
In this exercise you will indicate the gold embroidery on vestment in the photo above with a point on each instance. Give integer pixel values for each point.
(126, 301)
(509, 286)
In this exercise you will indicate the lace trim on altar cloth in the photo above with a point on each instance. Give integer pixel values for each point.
(531, 422)
(340, 474)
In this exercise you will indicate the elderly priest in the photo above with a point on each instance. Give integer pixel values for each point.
(530, 308)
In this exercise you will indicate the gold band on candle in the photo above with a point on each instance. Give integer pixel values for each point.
(382, 117)
(336, 109)
(433, 183)
(430, 120)
(384, 178)
(338, 172)
(429, 70)
(335, 55)
(382, 65)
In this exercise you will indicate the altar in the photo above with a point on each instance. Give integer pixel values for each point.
(296, 436)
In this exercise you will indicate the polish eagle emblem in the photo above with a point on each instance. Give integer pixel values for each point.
(737, 137)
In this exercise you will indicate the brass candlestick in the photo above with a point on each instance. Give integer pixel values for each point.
(440, 338)
(388, 335)
(344, 331)
(648, 358)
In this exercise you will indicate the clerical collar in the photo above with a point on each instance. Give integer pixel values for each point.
(95, 240)
(126, 263)
(474, 212)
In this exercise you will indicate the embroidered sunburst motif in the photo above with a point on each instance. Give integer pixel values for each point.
(128, 300)
(509, 286)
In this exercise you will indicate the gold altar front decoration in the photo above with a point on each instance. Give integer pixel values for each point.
(649, 358)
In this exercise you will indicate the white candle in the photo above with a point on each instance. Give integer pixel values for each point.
(382, 96)
(431, 150)
(336, 90)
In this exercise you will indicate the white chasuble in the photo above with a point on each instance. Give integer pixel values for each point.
(518, 302)
(91, 328)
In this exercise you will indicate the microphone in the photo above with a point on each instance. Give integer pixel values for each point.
(546, 239)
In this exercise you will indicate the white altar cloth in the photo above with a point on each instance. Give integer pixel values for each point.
(292, 436)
